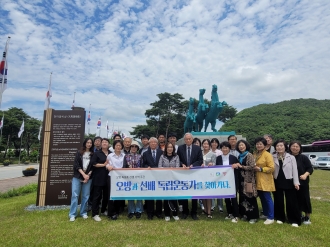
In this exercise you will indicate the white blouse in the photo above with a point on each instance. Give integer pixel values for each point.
(225, 159)
(115, 160)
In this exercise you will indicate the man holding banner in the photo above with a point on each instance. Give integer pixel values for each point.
(150, 159)
(190, 156)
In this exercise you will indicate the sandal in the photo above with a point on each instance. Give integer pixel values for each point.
(209, 216)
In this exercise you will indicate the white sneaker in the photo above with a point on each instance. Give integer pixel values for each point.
(307, 221)
(97, 218)
(72, 219)
(279, 222)
(176, 217)
(167, 218)
(229, 217)
(220, 209)
(295, 225)
(105, 213)
(85, 217)
(252, 221)
(268, 222)
(180, 208)
(263, 217)
(234, 220)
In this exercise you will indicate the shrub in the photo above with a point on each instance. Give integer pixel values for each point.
(34, 155)
(6, 162)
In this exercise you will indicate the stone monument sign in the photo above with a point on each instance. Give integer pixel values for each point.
(63, 133)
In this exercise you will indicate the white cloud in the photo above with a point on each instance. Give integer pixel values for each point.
(118, 56)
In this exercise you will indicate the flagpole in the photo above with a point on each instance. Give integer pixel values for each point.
(39, 136)
(38, 152)
(74, 97)
(48, 94)
(20, 148)
(100, 127)
(4, 70)
(89, 122)
(20, 135)
(2, 120)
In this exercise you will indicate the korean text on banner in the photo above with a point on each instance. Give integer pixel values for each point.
(177, 183)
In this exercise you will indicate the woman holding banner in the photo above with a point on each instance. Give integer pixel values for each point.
(133, 160)
(227, 159)
(215, 144)
(209, 159)
(169, 159)
(81, 182)
(248, 206)
(115, 160)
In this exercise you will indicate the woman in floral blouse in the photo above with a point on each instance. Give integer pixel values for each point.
(248, 206)
(133, 160)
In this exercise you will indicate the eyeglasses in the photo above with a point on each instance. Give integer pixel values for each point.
(134, 146)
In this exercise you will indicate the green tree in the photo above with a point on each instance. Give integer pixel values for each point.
(13, 119)
(228, 112)
(90, 136)
(166, 115)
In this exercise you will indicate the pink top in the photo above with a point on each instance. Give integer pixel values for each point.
(217, 152)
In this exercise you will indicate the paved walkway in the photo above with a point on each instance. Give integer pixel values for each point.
(11, 177)
(11, 183)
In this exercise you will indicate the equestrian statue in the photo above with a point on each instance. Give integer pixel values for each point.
(201, 111)
(215, 109)
(190, 118)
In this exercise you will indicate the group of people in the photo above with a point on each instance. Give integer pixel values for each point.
(278, 174)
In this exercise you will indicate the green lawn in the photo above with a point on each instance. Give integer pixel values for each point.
(52, 228)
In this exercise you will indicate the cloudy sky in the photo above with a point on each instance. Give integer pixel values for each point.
(117, 55)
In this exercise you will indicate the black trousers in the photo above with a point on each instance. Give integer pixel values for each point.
(304, 199)
(247, 205)
(193, 207)
(151, 207)
(232, 206)
(167, 209)
(291, 206)
(98, 193)
(113, 206)
(90, 199)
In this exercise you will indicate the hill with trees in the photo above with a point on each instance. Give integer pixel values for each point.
(306, 120)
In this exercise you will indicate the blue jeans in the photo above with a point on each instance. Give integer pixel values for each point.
(219, 202)
(267, 204)
(77, 187)
(134, 207)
